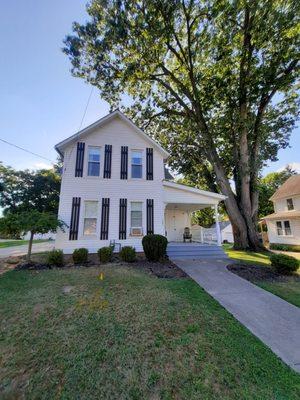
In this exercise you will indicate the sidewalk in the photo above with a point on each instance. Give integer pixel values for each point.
(273, 320)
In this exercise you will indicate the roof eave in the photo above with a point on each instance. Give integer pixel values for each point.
(59, 147)
(180, 186)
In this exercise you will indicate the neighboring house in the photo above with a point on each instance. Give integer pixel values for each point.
(114, 188)
(226, 231)
(284, 224)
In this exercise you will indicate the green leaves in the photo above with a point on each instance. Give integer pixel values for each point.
(30, 221)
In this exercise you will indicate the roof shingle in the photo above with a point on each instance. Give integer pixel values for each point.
(291, 187)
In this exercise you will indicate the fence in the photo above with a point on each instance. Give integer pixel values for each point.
(204, 235)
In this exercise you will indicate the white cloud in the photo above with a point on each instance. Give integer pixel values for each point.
(41, 165)
(294, 165)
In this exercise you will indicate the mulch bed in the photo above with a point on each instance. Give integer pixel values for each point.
(256, 273)
(164, 269)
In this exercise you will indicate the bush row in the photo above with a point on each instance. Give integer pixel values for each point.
(80, 256)
(284, 247)
(155, 247)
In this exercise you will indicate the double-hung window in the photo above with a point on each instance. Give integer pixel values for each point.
(283, 228)
(90, 217)
(136, 164)
(94, 161)
(136, 218)
(290, 204)
(287, 228)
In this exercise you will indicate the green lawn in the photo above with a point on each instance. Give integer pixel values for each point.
(128, 336)
(11, 243)
(289, 290)
(247, 257)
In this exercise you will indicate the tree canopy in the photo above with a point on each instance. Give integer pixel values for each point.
(25, 190)
(214, 81)
(268, 186)
(32, 221)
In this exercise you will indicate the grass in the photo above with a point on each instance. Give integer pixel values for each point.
(247, 257)
(128, 336)
(288, 290)
(11, 243)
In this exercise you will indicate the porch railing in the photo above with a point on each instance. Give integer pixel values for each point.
(204, 235)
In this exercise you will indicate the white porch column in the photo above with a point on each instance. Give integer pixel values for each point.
(218, 230)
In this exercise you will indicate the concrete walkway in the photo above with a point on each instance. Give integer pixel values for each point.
(273, 320)
(15, 251)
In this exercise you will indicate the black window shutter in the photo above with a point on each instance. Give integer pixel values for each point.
(104, 219)
(107, 161)
(73, 233)
(124, 162)
(150, 216)
(79, 159)
(149, 164)
(123, 219)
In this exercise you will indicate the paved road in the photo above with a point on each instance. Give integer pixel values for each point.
(273, 320)
(21, 250)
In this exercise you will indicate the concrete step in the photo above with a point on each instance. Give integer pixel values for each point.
(194, 251)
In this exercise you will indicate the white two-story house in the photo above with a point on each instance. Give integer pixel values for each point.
(114, 188)
(284, 224)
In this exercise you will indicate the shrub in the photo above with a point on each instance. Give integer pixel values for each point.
(284, 247)
(284, 264)
(127, 254)
(55, 257)
(105, 254)
(80, 256)
(155, 247)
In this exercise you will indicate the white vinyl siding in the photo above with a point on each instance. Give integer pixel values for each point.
(117, 133)
(90, 218)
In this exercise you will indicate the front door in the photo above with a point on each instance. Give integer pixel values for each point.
(175, 221)
(171, 228)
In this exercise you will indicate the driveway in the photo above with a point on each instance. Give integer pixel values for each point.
(273, 320)
(21, 250)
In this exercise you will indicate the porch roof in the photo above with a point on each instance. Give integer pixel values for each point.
(283, 214)
(175, 193)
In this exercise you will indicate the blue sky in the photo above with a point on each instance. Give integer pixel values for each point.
(41, 103)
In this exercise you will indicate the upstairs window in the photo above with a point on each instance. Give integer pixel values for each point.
(290, 204)
(94, 161)
(90, 218)
(136, 164)
(283, 228)
(136, 218)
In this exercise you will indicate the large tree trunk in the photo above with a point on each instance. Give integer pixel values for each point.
(242, 219)
(30, 246)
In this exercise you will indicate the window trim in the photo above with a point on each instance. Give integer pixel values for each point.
(142, 165)
(283, 228)
(291, 204)
(142, 217)
(92, 235)
(87, 162)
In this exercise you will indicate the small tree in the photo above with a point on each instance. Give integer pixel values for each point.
(31, 221)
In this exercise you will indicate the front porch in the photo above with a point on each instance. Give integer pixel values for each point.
(181, 202)
(178, 216)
